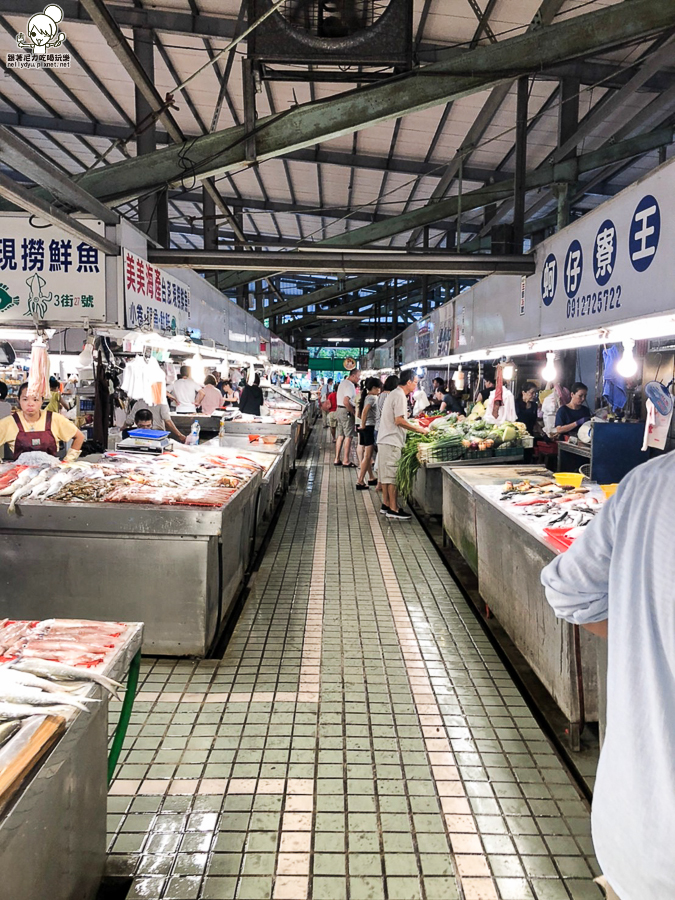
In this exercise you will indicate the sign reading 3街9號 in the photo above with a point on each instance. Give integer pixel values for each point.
(47, 275)
(152, 298)
(613, 265)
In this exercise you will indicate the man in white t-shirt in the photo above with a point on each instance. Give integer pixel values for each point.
(346, 413)
(391, 438)
(184, 391)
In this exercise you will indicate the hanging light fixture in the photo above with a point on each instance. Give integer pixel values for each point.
(458, 378)
(627, 365)
(196, 365)
(508, 370)
(549, 372)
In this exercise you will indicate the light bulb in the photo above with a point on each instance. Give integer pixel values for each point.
(549, 372)
(458, 378)
(508, 370)
(627, 365)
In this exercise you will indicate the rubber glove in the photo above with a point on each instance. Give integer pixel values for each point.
(582, 421)
(72, 455)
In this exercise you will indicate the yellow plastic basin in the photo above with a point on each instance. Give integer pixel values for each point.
(608, 490)
(573, 478)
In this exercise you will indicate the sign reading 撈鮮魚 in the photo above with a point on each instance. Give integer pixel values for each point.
(152, 298)
(48, 275)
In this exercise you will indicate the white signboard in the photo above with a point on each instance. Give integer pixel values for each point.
(152, 298)
(47, 275)
(614, 264)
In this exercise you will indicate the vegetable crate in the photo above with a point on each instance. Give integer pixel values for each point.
(509, 451)
(444, 454)
(479, 454)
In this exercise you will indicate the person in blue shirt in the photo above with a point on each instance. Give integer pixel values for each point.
(570, 417)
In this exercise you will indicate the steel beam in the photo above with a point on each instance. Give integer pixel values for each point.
(25, 159)
(139, 17)
(354, 263)
(567, 171)
(521, 165)
(305, 125)
(322, 295)
(27, 200)
(544, 16)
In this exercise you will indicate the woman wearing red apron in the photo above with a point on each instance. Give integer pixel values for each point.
(33, 429)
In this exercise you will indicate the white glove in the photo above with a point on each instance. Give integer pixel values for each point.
(72, 455)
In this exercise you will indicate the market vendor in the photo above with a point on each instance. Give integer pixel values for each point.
(452, 402)
(32, 429)
(575, 413)
(527, 407)
(252, 398)
(161, 418)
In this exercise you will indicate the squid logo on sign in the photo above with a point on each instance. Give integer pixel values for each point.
(43, 31)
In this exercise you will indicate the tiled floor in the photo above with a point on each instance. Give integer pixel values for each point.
(360, 739)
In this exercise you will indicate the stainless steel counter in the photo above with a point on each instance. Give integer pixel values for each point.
(178, 569)
(428, 484)
(53, 835)
(508, 560)
(297, 431)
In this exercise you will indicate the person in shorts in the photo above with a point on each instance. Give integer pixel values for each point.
(391, 438)
(367, 412)
(332, 412)
(346, 411)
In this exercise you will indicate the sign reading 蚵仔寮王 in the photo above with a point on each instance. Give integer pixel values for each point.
(47, 275)
(612, 265)
(152, 298)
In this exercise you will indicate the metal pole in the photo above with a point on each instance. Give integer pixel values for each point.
(521, 165)
(146, 142)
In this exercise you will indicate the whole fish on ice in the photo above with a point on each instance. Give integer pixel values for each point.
(11, 691)
(23, 710)
(47, 668)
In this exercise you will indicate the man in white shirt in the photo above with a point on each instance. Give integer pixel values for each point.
(184, 391)
(620, 573)
(346, 413)
(391, 438)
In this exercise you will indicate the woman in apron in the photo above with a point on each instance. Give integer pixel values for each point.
(34, 429)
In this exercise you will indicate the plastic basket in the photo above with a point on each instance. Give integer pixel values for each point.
(447, 454)
(479, 454)
(510, 451)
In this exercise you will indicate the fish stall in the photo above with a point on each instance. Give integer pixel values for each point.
(508, 524)
(161, 539)
(56, 680)
(273, 453)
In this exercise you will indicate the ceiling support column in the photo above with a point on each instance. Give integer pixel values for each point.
(521, 164)
(149, 214)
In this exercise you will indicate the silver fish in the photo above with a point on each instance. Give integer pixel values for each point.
(24, 710)
(12, 691)
(8, 730)
(27, 679)
(18, 482)
(47, 668)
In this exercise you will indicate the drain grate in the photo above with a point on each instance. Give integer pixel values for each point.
(114, 888)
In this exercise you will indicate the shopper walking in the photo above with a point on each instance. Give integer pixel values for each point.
(367, 413)
(389, 385)
(326, 388)
(346, 412)
(616, 580)
(332, 411)
(390, 441)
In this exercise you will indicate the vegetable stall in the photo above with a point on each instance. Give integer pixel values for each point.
(466, 441)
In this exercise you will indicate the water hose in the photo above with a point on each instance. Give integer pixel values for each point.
(125, 715)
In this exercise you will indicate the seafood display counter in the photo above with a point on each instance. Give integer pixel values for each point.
(275, 459)
(293, 429)
(53, 828)
(428, 485)
(175, 561)
(507, 551)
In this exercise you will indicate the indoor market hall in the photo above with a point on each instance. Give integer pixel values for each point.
(359, 739)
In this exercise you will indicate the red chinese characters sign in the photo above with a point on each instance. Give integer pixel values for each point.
(152, 298)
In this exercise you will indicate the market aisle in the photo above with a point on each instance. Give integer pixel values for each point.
(360, 739)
